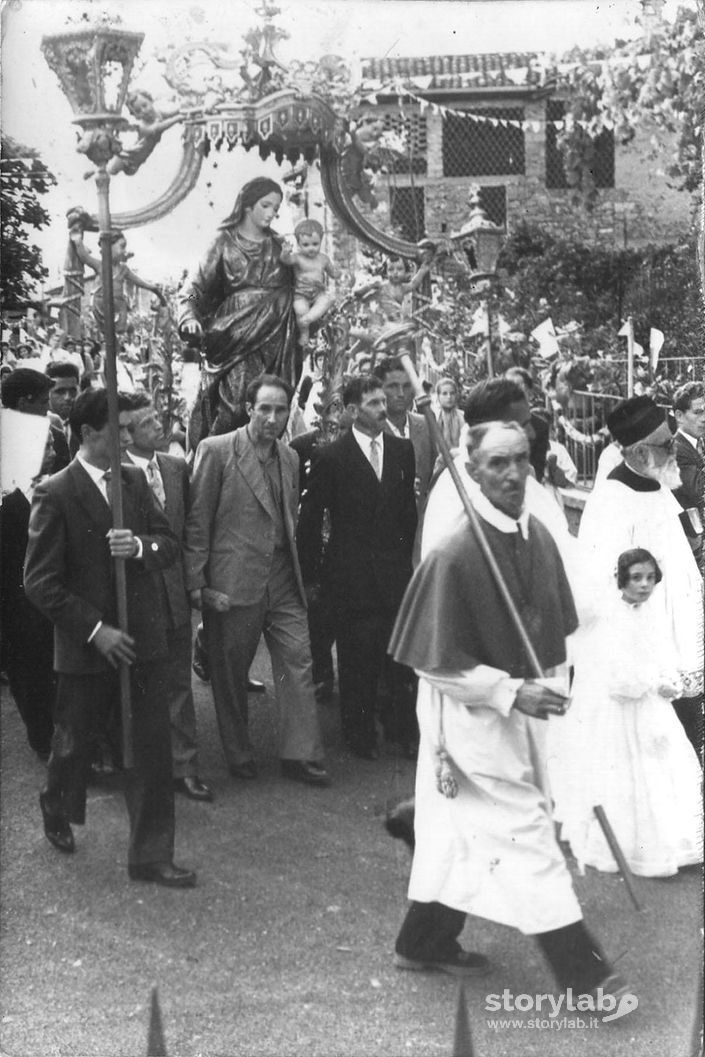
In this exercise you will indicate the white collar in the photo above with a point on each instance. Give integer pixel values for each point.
(139, 460)
(497, 518)
(94, 472)
(364, 441)
(687, 436)
(404, 431)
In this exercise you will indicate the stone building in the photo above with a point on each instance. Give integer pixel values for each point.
(493, 120)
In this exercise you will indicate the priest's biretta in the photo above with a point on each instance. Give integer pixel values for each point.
(634, 419)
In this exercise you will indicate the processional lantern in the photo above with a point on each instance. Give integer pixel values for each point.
(480, 238)
(93, 66)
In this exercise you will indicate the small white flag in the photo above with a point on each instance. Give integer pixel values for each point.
(545, 335)
(623, 332)
(656, 340)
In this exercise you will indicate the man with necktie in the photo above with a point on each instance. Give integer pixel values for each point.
(167, 477)
(365, 480)
(69, 576)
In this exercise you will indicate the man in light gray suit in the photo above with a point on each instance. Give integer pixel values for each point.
(167, 477)
(242, 569)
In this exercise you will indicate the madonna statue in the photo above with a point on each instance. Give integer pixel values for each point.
(240, 304)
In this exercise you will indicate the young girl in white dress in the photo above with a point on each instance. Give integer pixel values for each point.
(621, 744)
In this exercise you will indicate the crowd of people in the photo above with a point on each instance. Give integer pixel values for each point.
(531, 674)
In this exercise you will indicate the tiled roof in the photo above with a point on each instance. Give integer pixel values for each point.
(438, 72)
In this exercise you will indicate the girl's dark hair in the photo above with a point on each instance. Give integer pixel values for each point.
(634, 557)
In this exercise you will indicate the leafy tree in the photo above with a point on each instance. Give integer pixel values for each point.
(24, 179)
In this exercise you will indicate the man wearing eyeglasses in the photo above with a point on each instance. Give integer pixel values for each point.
(635, 507)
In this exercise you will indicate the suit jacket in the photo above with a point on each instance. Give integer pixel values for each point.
(175, 478)
(62, 454)
(424, 453)
(69, 573)
(367, 562)
(231, 523)
(691, 464)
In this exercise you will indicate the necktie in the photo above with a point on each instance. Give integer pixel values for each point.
(106, 487)
(374, 458)
(155, 482)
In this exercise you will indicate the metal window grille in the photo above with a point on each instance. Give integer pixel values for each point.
(406, 207)
(411, 126)
(603, 170)
(478, 148)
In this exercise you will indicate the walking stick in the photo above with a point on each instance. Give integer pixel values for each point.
(423, 402)
(618, 854)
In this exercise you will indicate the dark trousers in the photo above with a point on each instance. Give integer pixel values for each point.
(690, 713)
(430, 933)
(149, 791)
(182, 713)
(320, 629)
(362, 639)
(33, 686)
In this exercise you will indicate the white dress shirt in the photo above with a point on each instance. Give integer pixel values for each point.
(365, 442)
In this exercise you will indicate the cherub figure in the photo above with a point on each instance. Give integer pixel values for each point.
(311, 267)
(151, 126)
(121, 275)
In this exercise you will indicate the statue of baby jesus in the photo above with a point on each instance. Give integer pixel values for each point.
(312, 298)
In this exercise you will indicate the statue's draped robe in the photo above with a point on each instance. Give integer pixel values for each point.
(242, 295)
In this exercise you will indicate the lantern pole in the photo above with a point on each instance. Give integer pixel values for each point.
(93, 66)
(102, 180)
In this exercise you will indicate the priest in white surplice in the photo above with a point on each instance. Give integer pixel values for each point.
(490, 850)
(635, 507)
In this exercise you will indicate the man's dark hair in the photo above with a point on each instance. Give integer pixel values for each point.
(139, 400)
(520, 372)
(91, 409)
(24, 383)
(267, 379)
(387, 365)
(683, 397)
(489, 401)
(359, 387)
(635, 556)
(62, 370)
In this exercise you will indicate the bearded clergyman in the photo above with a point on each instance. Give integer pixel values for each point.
(634, 507)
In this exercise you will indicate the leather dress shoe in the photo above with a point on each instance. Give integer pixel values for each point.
(248, 769)
(163, 873)
(254, 686)
(399, 822)
(192, 787)
(307, 771)
(56, 828)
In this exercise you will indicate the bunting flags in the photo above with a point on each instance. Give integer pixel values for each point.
(403, 92)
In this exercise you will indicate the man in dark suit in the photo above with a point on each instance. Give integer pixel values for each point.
(27, 635)
(69, 576)
(365, 480)
(403, 422)
(689, 411)
(62, 397)
(167, 477)
(242, 569)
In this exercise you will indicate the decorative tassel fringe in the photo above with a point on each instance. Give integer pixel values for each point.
(445, 781)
